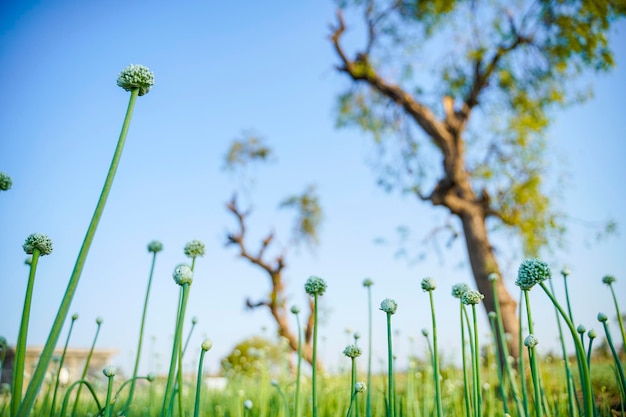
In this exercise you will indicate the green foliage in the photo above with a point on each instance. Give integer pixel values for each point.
(309, 215)
(516, 62)
(247, 150)
(253, 357)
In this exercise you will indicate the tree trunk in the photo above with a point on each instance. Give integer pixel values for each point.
(483, 262)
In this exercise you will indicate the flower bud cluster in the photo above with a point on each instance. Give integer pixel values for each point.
(532, 271)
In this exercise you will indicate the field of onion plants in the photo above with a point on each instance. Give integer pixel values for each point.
(490, 382)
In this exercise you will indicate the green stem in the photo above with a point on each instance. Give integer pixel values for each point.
(569, 306)
(80, 383)
(571, 405)
(86, 368)
(466, 385)
(46, 355)
(282, 396)
(314, 370)
(585, 378)
(476, 359)
(534, 370)
(494, 331)
(435, 358)
(618, 364)
(179, 380)
(353, 376)
(108, 409)
(533, 359)
(368, 398)
(141, 331)
(619, 318)
(522, 368)
(505, 350)
(196, 409)
(56, 384)
(299, 370)
(169, 387)
(589, 353)
(352, 398)
(20, 347)
(390, 387)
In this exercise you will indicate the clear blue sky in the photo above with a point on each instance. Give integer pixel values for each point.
(222, 68)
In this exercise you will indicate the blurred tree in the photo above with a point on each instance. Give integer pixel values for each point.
(253, 357)
(458, 96)
(242, 153)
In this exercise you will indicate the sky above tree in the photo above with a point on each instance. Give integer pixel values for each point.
(222, 69)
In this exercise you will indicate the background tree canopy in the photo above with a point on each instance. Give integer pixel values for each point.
(459, 94)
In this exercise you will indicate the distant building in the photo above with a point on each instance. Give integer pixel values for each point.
(73, 363)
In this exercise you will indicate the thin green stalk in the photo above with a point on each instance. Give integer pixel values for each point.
(352, 398)
(86, 367)
(618, 364)
(571, 404)
(368, 397)
(80, 383)
(141, 332)
(178, 389)
(476, 360)
(46, 355)
(589, 350)
(505, 350)
(619, 318)
(168, 396)
(196, 409)
(532, 357)
(20, 347)
(466, 385)
(58, 375)
(353, 376)
(438, 399)
(295, 310)
(390, 384)
(585, 378)
(282, 396)
(522, 368)
(179, 371)
(498, 360)
(314, 370)
(108, 408)
(569, 306)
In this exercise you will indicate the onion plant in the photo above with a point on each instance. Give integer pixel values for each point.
(367, 283)
(138, 80)
(205, 347)
(87, 361)
(457, 292)
(36, 245)
(109, 372)
(315, 287)
(473, 297)
(609, 280)
(428, 285)
(183, 276)
(602, 318)
(359, 388)
(61, 360)
(534, 271)
(571, 389)
(296, 410)
(352, 352)
(154, 247)
(389, 307)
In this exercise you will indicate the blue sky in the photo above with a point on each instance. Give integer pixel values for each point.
(222, 69)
